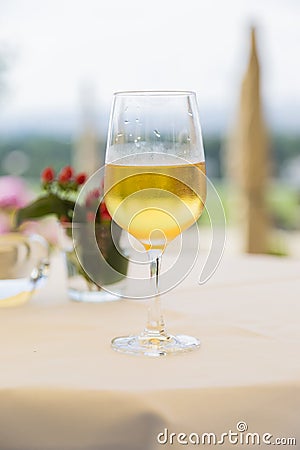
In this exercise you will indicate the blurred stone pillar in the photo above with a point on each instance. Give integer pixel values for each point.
(248, 160)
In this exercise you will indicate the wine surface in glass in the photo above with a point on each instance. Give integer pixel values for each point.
(155, 203)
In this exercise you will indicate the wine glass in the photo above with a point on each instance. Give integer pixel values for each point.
(155, 188)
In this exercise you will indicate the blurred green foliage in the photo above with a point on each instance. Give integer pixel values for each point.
(41, 151)
(284, 147)
(284, 202)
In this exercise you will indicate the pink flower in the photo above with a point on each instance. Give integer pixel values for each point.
(13, 192)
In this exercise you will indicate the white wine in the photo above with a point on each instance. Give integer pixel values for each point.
(155, 203)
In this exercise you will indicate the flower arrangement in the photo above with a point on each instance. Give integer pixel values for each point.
(59, 196)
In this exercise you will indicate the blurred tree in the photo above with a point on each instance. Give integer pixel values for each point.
(284, 148)
(41, 151)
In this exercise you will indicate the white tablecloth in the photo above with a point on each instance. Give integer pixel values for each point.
(63, 387)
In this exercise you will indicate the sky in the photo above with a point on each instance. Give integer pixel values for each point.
(53, 48)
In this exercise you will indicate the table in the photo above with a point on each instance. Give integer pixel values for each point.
(62, 387)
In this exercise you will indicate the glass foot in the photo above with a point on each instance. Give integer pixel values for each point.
(161, 345)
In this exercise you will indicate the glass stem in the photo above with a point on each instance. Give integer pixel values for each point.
(155, 324)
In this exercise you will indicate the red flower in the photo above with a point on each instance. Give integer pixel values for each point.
(91, 197)
(96, 193)
(63, 178)
(90, 216)
(47, 175)
(64, 219)
(65, 174)
(81, 178)
(104, 214)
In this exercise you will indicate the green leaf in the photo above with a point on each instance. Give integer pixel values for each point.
(44, 206)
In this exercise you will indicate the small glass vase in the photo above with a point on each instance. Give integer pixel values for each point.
(82, 259)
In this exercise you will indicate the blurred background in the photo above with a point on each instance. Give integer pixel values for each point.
(61, 61)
